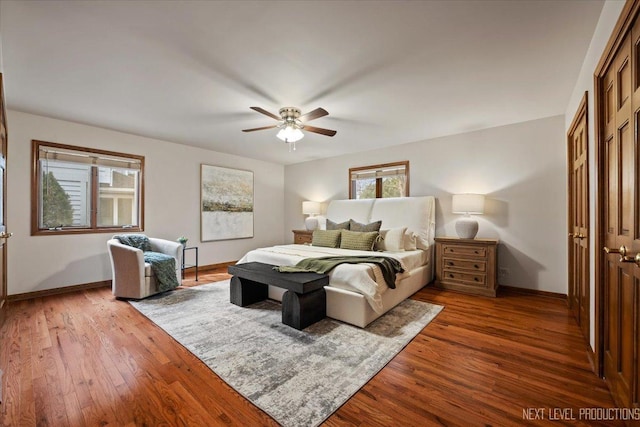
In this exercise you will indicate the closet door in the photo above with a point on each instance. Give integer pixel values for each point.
(3, 206)
(579, 291)
(621, 296)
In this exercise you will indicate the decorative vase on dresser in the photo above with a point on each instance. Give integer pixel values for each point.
(467, 265)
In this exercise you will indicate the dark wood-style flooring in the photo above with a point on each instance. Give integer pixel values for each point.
(85, 358)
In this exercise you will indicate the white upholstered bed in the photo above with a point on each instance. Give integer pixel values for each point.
(357, 293)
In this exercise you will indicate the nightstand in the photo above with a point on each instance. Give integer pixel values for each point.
(302, 237)
(467, 265)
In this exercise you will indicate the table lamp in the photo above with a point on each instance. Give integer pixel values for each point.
(312, 209)
(467, 227)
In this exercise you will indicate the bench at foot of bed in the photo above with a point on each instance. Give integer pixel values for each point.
(303, 304)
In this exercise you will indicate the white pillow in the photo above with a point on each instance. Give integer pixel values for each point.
(409, 241)
(392, 240)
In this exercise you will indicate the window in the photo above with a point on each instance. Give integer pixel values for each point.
(82, 190)
(377, 181)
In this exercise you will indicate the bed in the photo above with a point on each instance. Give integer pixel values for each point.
(357, 294)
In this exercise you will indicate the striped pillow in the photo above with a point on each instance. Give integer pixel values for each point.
(326, 238)
(359, 241)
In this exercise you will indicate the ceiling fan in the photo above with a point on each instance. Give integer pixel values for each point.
(291, 123)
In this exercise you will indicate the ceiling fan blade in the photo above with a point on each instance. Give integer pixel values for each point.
(317, 113)
(265, 112)
(262, 128)
(327, 132)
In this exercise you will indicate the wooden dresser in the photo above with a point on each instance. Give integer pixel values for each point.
(467, 265)
(301, 237)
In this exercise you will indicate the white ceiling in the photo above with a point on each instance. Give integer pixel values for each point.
(388, 72)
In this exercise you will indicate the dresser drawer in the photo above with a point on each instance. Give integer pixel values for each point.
(465, 278)
(464, 251)
(301, 239)
(464, 264)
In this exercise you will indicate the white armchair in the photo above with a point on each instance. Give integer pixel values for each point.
(131, 276)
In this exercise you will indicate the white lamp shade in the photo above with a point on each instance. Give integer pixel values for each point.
(290, 134)
(310, 208)
(468, 204)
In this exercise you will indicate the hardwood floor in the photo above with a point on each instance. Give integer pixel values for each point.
(87, 359)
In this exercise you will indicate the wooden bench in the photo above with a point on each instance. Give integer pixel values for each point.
(304, 303)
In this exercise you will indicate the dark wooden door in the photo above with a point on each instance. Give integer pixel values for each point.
(579, 292)
(4, 235)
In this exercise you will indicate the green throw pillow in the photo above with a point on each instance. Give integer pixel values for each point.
(356, 226)
(337, 226)
(357, 240)
(326, 238)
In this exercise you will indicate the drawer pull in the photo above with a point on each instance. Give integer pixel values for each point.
(475, 252)
(449, 263)
(450, 275)
(476, 266)
(476, 279)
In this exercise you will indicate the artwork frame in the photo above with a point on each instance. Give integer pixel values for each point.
(226, 203)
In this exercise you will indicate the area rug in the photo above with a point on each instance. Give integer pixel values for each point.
(297, 377)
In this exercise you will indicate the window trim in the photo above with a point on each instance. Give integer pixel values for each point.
(93, 227)
(373, 168)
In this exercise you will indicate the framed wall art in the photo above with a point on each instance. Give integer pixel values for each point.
(226, 203)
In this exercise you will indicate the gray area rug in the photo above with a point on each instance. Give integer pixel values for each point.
(297, 377)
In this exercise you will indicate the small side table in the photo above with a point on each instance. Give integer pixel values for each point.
(184, 251)
(302, 237)
(467, 265)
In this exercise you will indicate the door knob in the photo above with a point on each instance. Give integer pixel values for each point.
(622, 250)
(580, 236)
(5, 235)
(635, 259)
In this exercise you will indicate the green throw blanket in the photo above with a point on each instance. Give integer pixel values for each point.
(389, 266)
(138, 241)
(162, 265)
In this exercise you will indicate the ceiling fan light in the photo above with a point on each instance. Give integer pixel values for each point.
(291, 123)
(296, 135)
(282, 134)
(290, 134)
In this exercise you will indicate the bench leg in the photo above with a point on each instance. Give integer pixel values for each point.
(245, 292)
(302, 310)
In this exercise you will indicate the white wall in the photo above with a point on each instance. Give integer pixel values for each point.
(172, 202)
(608, 18)
(521, 168)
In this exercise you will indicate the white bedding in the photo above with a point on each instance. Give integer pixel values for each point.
(365, 279)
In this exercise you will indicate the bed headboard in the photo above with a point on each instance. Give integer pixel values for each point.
(415, 213)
